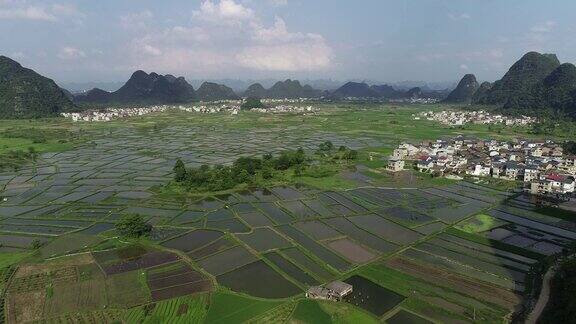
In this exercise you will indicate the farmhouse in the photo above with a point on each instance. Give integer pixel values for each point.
(335, 290)
(395, 165)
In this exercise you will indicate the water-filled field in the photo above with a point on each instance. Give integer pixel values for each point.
(414, 251)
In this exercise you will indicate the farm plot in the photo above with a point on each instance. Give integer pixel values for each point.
(318, 250)
(127, 289)
(459, 283)
(288, 193)
(533, 224)
(290, 269)
(370, 240)
(67, 244)
(405, 317)
(192, 240)
(317, 230)
(318, 207)
(371, 297)
(274, 212)
(231, 225)
(298, 209)
(437, 261)
(345, 201)
(175, 280)
(430, 228)
(386, 229)
(405, 216)
(351, 251)
(129, 259)
(264, 239)
(245, 308)
(227, 260)
(451, 214)
(306, 262)
(19, 241)
(256, 219)
(97, 228)
(189, 216)
(219, 245)
(256, 279)
(474, 262)
(189, 309)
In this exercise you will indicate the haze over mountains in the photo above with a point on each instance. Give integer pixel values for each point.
(536, 81)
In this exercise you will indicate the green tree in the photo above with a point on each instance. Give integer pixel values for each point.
(250, 103)
(36, 244)
(179, 171)
(133, 225)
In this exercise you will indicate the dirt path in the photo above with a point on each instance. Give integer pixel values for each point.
(543, 297)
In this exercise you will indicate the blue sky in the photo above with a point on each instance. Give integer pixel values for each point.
(383, 40)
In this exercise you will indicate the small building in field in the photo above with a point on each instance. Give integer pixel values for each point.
(336, 290)
(340, 288)
(395, 165)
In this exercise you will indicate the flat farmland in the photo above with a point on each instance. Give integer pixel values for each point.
(429, 250)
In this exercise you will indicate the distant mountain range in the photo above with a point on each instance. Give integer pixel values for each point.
(535, 82)
(281, 90)
(26, 94)
(363, 90)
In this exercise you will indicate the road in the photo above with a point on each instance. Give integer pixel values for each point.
(543, 297)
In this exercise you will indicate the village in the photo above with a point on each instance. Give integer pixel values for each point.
(459, 118)
(230, 106)
(541, 166)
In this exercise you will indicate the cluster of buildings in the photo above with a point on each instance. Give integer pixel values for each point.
(109, 114)
(541, 165)
(335, 290)
(230, 106)
(285, 108)
(287, 100)
(458, 118)
(415, 100)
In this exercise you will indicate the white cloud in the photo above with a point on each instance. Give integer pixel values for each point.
(70, 53)
(460, 16)
(224, 12)
(27, 13)
(463, 67)
(137, 20)
(22, 10)
(545, 27)
(286, 57)
(278, 3)
(227, 36)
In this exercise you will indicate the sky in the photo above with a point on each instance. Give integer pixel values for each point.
(377, 40)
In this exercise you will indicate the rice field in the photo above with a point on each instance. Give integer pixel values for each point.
(425, 253)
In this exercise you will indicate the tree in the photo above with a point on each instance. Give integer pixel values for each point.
(133, 226)
(36, 244)
(179, 171)
(250, 103)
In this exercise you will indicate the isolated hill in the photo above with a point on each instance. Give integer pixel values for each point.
(255, 90)
(514, 89)
(144, 88)
(282, 89)
(355, 89)
(210, 91)
(387, 91)
(558, 89)
(154, 88)
(95, 95)
(482, 92)
(464, 91)
(27, 94)
(414, 93)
